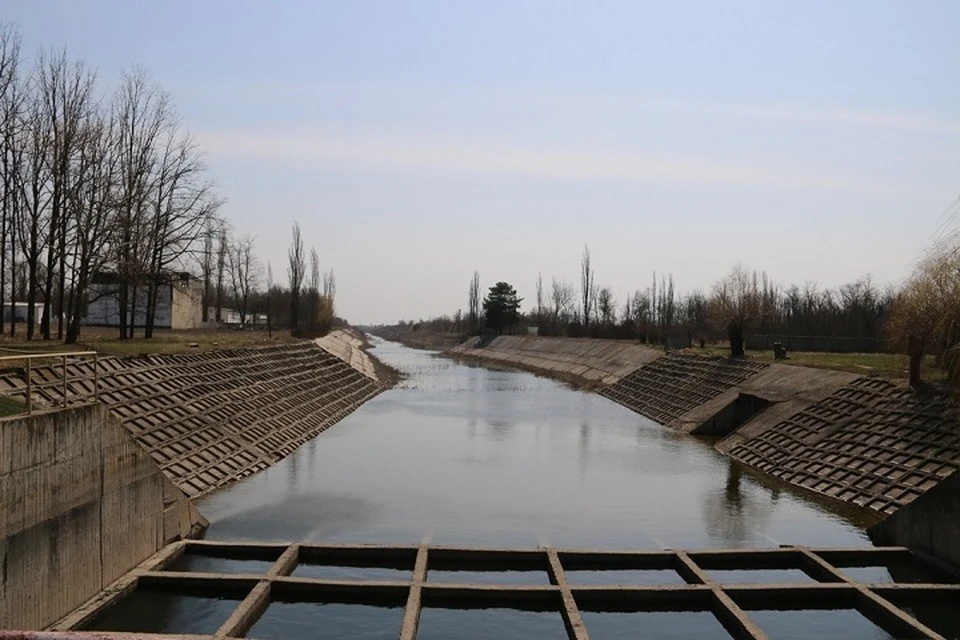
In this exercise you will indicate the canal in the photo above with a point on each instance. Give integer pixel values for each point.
(461, 454)
(472, 455)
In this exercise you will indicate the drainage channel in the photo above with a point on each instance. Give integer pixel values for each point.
(235, 590)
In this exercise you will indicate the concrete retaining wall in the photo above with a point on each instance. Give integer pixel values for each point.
(583, 361)
(212, 417)
(82, 504)
(349, 347)
(931, 523)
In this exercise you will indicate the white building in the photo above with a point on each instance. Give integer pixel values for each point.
(179, 303)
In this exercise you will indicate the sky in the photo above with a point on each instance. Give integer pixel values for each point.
(418, 141)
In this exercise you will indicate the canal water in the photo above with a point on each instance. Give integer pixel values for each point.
(472, 455)
(468, 455)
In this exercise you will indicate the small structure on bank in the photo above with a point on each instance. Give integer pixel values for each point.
(179, 302)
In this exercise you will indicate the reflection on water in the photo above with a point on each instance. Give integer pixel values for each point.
(472, 455)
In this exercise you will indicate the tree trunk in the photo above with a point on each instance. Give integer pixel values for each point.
(123, 304)
(151, 308)
(735, 335)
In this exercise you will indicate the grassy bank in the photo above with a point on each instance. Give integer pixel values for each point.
(886, 365)
(104, 340)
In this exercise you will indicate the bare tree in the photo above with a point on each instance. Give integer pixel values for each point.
(66, 91)
(313, 291)
(330, 288)
(607, 307)
(588, 287)
(223, 249)
(561, 296)
(10, 104)
(735, 303)
(207, 262)
(328, 301)
(473, 306)
(244, 273)
(90, 205)
(665, 307)
(141, 113)
(33, 181)
(269, 300)
(182, 202)
(539, 301)
(296, 268)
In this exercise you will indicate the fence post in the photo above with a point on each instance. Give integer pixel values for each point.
(64, 380)
(29, 386)
(96, 379)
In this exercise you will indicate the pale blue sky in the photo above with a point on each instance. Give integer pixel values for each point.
(418, 141)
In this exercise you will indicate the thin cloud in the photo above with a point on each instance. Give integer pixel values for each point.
(445, 155)
(826, 115)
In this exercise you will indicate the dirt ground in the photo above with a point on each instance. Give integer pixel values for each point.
(105, 340)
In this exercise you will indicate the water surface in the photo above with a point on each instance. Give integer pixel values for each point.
(472, 455)
(467, 455)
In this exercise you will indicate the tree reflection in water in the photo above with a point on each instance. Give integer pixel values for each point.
(735, 517)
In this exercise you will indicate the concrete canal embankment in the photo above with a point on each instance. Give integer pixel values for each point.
(212, 417)
(583, 362)
(91, 490)
(82, 505)
(867, 442)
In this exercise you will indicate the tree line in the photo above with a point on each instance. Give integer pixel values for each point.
(743, 301)
(109, 195)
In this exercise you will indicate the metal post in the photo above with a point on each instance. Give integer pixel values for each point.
(29, 386)
(64, 380)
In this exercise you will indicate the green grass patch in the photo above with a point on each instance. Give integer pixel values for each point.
(885, 365)
(11, 406)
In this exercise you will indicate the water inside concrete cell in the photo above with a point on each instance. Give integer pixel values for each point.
(152, 611)
(656, 625)
(848, 624)
(336, 621)
(941, 617)
(906, 571)
(342, 572)
(201, 563)
(482, 624)
(489, 577)
(760, 576)
(641, 577)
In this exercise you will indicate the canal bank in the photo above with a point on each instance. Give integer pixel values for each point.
(872, 444)
(459, 456)
(91, 489)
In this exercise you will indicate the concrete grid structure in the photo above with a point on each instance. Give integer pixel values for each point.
(887, 605)
(212, 417)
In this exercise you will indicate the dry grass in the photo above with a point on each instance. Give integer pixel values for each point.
(104, 340)
(885, 365)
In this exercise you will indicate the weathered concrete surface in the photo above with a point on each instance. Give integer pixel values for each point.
(350, 348)
(871, 443)
(785, 389)
(82, 504)
(698, 589)
(583, 361)
(864, 441)
(931, 523)
(212, 417)
(676, 389)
